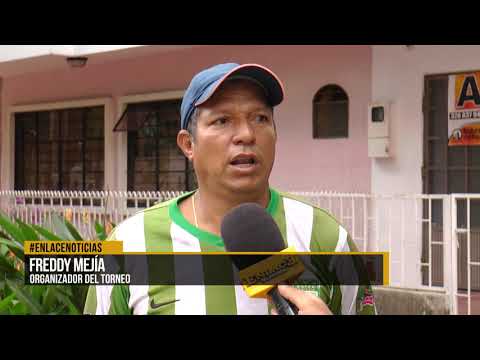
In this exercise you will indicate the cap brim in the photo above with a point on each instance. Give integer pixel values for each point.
(267, 78)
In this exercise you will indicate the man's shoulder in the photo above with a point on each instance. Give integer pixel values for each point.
(158, 212)
(161, 206)
(325, 227)
(318, 212)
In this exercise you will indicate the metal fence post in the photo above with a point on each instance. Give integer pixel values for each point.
(447, 251)
(454, 250)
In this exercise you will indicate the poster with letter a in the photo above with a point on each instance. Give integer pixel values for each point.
(464, 109)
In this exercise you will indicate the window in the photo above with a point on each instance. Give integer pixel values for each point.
(155, 162)
(330, 113)
(60, 149)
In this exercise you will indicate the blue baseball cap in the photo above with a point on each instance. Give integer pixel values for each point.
(206, 82)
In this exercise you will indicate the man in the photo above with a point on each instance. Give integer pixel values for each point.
(228, 133)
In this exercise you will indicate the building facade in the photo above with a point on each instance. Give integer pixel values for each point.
(161, 75)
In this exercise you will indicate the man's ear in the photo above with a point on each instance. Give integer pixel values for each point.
(184, 142)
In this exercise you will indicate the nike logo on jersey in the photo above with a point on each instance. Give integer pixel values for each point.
(154, 305)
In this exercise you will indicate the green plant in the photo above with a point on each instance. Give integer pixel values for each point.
(16, 298)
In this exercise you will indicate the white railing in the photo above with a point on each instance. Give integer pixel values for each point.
(419, 231)
(398, 224)
(428, 248)
(467, 255)
(84, 207)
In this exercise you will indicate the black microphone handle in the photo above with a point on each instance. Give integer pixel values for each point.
(282, 305)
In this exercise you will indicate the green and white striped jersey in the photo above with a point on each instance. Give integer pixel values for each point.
(165, 229)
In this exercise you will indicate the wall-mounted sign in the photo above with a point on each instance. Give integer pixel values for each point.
(464, 109)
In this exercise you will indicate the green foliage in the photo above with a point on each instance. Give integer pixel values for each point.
(101, 234)
(16, 298)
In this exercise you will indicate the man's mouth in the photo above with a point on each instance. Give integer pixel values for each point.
(244, 161)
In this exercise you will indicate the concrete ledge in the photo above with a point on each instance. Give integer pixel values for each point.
(402, 301)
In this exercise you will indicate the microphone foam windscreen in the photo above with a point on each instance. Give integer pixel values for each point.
(250, 228)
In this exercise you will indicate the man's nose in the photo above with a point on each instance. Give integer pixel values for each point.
(244, 133)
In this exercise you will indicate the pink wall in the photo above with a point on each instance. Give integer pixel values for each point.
(302, 163)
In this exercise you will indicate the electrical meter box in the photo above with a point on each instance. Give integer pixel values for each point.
(379, 130)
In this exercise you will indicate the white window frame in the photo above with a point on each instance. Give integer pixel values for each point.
(7, 175)
(122, 143)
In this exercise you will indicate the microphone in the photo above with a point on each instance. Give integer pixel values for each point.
(249, 228)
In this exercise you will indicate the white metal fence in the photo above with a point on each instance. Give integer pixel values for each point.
(398, 224)
(466, 249)
(85, 207)
(432, 244)
(433, 240)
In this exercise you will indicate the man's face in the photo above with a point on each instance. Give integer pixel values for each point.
(235, 138)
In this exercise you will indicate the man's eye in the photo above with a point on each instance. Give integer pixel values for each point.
(220, 121)
(261, 118)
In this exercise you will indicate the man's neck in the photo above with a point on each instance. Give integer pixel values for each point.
(210, 208)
